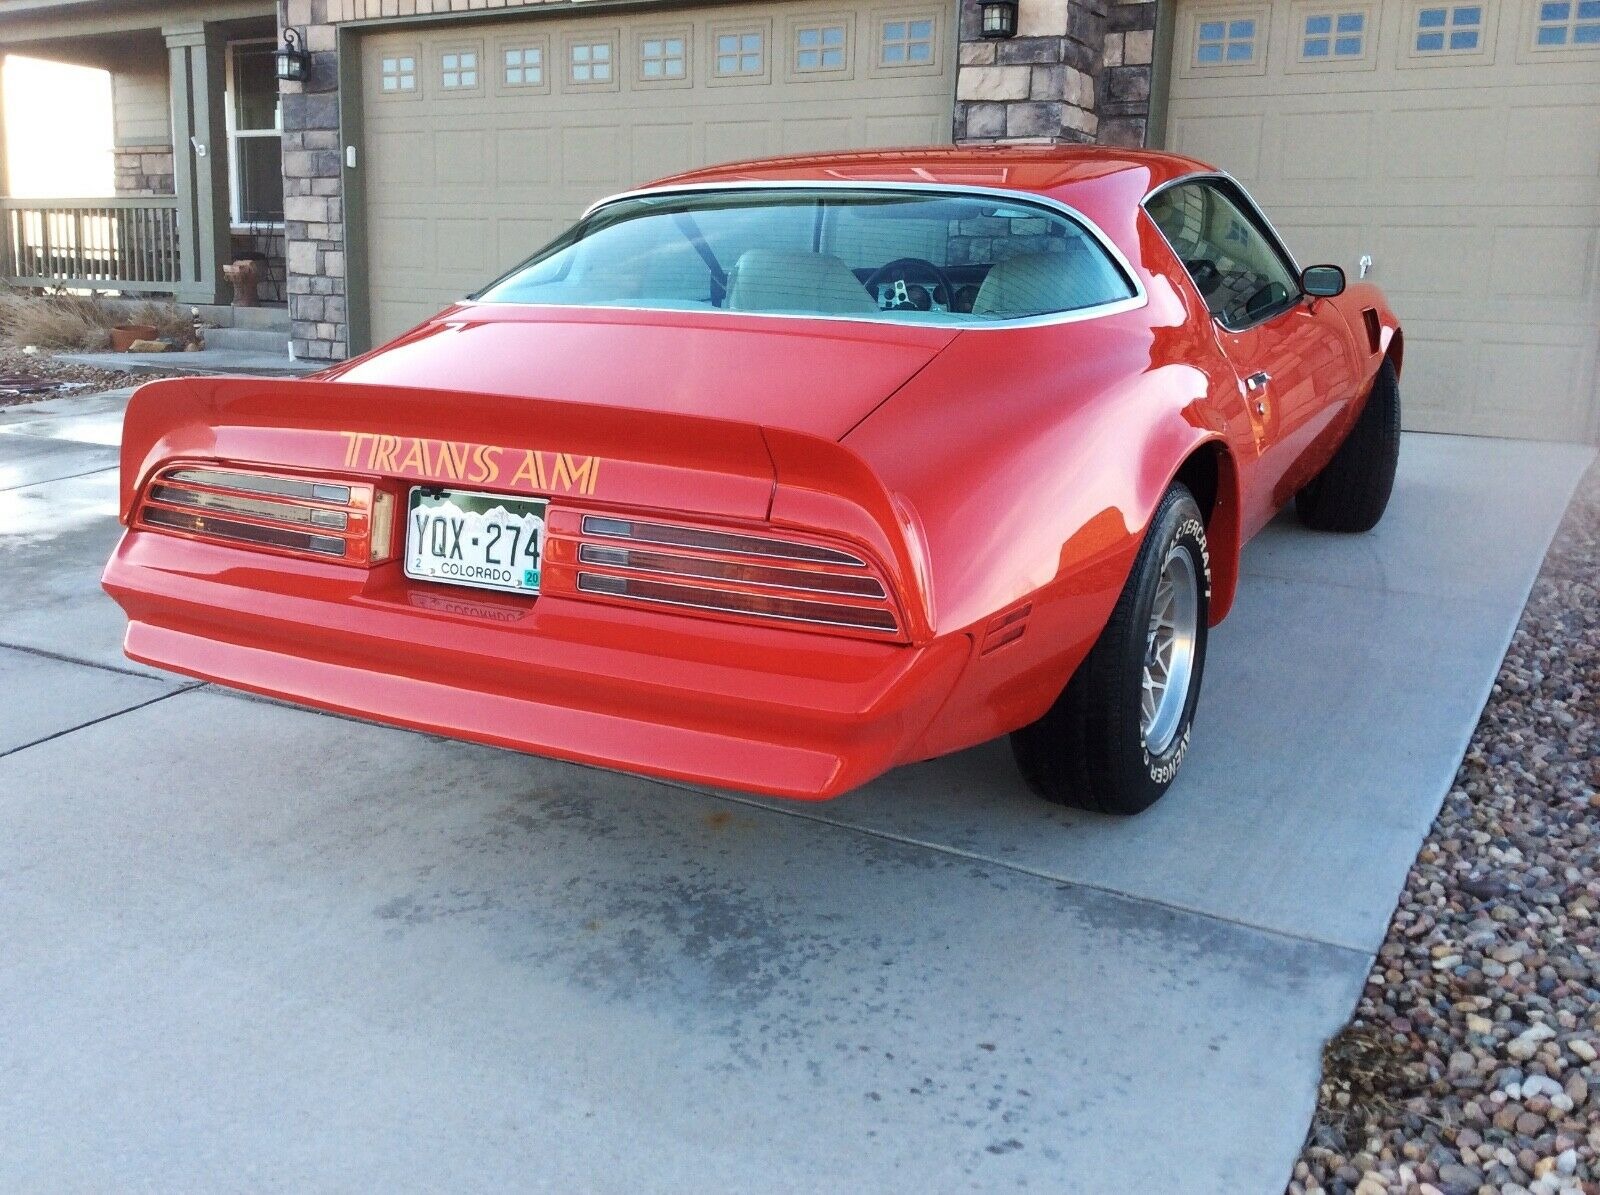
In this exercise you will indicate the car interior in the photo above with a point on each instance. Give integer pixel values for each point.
(916, 259)
(1236, 269)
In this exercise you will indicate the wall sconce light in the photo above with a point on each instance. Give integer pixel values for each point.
(999, 18)
(291, 59)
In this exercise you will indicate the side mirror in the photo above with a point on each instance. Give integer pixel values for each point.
(1322, 282)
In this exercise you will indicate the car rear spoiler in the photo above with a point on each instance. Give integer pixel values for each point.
(576, 453)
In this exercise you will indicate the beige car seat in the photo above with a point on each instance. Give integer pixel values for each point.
(786, 280)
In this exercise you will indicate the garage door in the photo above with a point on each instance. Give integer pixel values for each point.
(483, 141)
(1456, 145)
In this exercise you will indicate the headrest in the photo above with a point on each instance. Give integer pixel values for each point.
(786, 280)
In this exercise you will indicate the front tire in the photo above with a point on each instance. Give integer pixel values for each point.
(1352, 491)
(1116, 736)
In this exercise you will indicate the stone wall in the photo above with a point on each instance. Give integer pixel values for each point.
(313, 198)
(144, 170)
(1126, 60)
(1077, 71)
(1037, 86)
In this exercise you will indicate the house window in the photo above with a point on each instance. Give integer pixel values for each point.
(399, 73)
(591, 62)
(1225, 43)
(525, 66)
(255, 140)
(1334, 35)
(1567, 23)
(819, 48)
(459, 70)
(1456, 29)
(739, 54)
(906, 43)
(662, 58)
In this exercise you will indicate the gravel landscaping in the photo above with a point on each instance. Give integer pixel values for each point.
(1471, 1063)
(22, 373)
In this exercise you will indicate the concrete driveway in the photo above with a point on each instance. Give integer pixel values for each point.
(254, 948)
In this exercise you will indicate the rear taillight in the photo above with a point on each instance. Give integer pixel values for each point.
(754, 576)
(351, 522)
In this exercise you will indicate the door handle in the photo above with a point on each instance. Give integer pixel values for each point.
(1256, 385)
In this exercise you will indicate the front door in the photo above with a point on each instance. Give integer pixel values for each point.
(1293, 356)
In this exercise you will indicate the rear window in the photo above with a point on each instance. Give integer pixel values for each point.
(901, 256)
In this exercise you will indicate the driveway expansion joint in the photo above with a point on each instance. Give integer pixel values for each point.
(52, 480)
(103, 718)
(62, 658)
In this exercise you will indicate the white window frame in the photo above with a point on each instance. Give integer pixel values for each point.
(1192, 17)
(236, 134)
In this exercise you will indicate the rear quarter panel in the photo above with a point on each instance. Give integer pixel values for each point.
(1034, 459)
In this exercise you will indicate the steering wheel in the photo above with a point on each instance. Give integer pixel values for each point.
(910, 269)
(1205, 274)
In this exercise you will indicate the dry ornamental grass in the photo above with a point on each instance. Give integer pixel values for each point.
(82, 322)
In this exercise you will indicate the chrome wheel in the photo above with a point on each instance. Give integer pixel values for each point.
(1169, 651)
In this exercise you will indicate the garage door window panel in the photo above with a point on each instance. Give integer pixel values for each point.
(399, 73)
(740, 52)
(1227, 41)
(522, 65)
(661, 57)
(974, 260)
(591, 62)
(1445, 34)
(1237, 264)
(1567, 24)
(459, 69)
(821, 47)
(1332, 37)
(906, 41)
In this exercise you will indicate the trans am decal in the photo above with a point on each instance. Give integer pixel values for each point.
(480, 464)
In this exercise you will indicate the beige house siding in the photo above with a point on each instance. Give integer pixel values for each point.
(141, 106)
(141, 109)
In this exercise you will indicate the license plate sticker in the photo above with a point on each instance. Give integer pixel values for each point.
(486, 541)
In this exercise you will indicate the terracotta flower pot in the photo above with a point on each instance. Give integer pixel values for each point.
(123, 336)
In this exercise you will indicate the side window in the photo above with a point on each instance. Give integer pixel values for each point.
(1236, 267)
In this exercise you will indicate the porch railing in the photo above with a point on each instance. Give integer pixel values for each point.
(101, 244)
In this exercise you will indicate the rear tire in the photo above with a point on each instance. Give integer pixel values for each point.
(1353, 489)
(1111, 743)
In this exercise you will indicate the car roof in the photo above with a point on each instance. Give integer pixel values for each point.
(1055, 170)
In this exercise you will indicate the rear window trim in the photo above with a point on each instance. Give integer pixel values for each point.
(1139, 298)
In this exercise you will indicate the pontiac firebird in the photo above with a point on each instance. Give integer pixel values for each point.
(774, 475)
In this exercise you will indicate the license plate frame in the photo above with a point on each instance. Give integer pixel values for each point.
(446, 530)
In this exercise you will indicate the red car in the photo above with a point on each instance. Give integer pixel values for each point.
(775, 475)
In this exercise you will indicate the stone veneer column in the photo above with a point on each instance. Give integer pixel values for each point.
(1077, 70)
(313, 189)
(1126, 62)
(1037, 86)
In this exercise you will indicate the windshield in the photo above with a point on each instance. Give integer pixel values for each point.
(903, 256)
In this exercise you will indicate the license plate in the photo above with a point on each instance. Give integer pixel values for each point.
(487, 541)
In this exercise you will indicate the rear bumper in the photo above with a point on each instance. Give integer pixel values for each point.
(763, 709)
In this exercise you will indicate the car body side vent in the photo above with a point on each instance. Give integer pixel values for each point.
(1369, 316)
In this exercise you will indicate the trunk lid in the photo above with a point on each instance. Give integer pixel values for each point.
(816, 376)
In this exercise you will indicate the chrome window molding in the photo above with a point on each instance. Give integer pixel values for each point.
(1252, 208)
(1138, 299)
